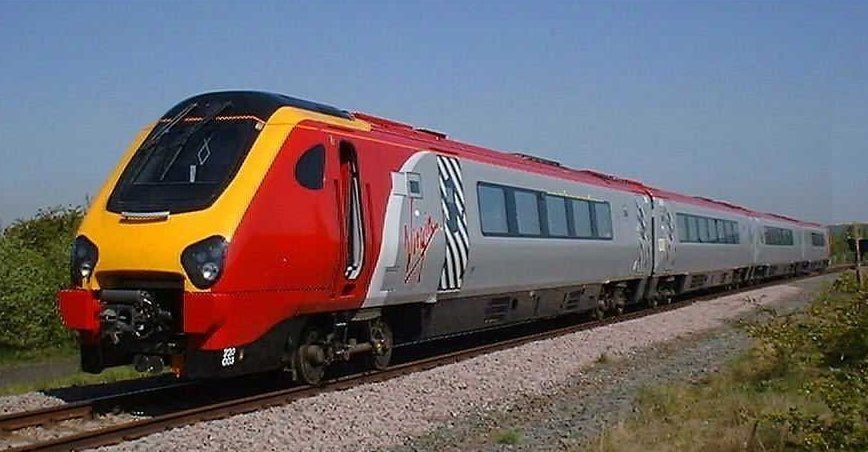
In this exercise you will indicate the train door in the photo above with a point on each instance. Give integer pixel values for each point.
(664, 238)
(755, 238)
(351, 217)
(411, 264)
(644, 214)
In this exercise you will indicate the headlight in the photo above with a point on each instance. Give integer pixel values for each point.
(82, 260)
(203, 261)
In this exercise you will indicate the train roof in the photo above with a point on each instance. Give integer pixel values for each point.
(439, 141)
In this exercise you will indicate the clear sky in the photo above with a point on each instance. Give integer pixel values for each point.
(763, 104)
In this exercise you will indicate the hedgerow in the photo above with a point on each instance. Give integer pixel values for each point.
(34, 264)
(827, 347)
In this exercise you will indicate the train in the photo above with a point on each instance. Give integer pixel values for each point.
(245, 232)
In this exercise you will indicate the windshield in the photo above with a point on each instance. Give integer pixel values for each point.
(187, 160)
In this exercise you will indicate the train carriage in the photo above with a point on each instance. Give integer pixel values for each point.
(248, 231)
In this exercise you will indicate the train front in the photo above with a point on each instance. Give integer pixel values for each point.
(151, 253)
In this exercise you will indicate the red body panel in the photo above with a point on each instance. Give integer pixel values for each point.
(285, 258)
(79, 310)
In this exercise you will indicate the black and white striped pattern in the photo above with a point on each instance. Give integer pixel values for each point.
(455, 221)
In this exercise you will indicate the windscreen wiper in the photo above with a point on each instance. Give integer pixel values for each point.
(182, 141)
(175, 120)
(145, 151)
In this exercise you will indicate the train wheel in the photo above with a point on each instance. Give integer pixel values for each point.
(652, 301)
(381, 339)
(309, 360)
(599, 313)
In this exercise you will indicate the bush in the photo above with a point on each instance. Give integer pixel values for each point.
(34, 263)
(827, 346)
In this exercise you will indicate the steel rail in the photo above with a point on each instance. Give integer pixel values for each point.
(136, 429)
(88, 408)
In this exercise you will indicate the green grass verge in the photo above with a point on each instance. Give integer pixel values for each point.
(723, 412)
(77, 379)
(804, 385)
(13, 358)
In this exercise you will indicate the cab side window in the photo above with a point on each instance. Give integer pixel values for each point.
(310, 168)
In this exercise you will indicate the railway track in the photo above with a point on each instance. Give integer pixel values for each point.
(126, 431)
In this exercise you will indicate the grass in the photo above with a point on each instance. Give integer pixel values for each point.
(721, 413)
(12, 357)
(741, 407)
(77, 379)
(603, 358)
(20, 358)
(509, 437)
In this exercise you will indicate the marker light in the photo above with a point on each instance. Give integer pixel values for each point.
(203, 261)
(82, 260)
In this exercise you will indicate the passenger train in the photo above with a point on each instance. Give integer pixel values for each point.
(247, 231)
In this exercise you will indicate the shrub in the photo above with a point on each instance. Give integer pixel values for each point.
(828, 344)
(34, 262)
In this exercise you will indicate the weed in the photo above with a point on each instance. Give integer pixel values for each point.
(511, 437)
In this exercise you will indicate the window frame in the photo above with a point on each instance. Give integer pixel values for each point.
(542, 211)
(776, 236)
(695, 225)
(301, 168)
(566, 210)
(506, 214)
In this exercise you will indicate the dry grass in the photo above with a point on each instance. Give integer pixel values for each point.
(720, 414)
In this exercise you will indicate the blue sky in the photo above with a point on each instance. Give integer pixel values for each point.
(763, 104)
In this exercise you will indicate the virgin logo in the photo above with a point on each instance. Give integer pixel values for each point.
(416, 243)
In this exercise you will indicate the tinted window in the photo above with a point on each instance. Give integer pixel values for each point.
(492, 209)
(727, 232)
(187, 160)
(712, 231)
(582, 218)
(818, 239)
(693, 228)
(778, 236)
(310, 166)
(527, 213)
(703, 230)
(556, 212)
(603, 217)
(682, 227)
(706, 230)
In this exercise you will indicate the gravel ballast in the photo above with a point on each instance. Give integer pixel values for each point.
(395, 412)
(27, 402)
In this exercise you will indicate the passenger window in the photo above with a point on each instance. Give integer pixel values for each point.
(603, 217)
(527, 212)
(310, 168)
(712, 230)
(703, 230)
(582, 219)
(492, 207)
(682, 228)
(556, 212)
(721, 232)
(693, 230)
